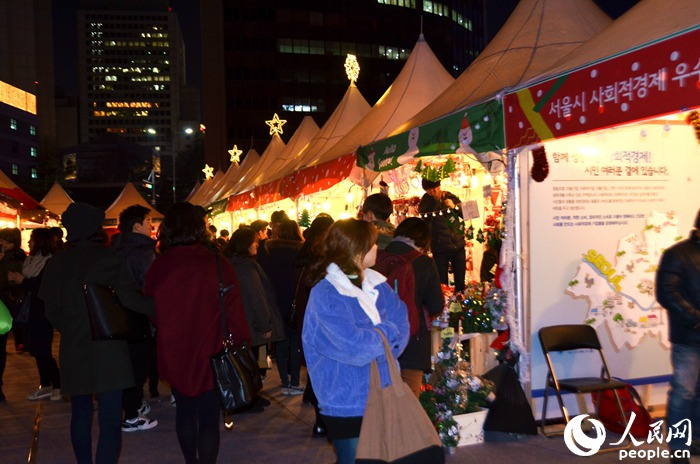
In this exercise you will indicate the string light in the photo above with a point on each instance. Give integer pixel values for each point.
(235, 154)
(208, 172)
(276, 124)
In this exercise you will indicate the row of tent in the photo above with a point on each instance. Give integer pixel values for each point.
(57, 200)
(542, 39)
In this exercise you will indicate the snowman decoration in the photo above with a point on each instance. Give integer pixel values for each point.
(413, 149)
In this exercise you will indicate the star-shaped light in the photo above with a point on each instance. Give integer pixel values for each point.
(276, 124)
(352, 68)
(208, 172)
(235, 154)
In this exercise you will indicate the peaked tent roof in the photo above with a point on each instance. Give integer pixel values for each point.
(536, 34)
(129, 196)
(350, 111)
(279, 166)
(249, 161)
(647, 21)
(274, 148)
(56, 199)
(420, 81)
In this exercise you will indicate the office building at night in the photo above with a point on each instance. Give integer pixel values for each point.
(266, 57)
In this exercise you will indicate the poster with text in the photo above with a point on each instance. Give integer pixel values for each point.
(612, 201)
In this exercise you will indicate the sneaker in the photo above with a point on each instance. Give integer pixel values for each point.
(138, 423)
(40, 393)
(144, 409)
(56, 395)
(295, 389)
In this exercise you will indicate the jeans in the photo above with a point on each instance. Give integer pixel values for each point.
(684, 396)
(289, 358)
(458, 259)
(197, 426)
(109, 443)
(345, 450)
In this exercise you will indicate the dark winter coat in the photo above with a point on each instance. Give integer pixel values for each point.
(444, 239)
(428, 296)
(259, 301)
(139, 252)
(678, 290)
(280, 269)
(89, 366)
(184, 283)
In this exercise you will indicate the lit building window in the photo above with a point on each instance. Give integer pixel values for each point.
(33, 152)
(35, 174)
(13, 124)
(32, 129)
(15, 170)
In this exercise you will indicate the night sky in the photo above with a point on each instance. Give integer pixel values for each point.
(65, 52)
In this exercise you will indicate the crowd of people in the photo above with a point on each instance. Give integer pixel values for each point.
(305, 298)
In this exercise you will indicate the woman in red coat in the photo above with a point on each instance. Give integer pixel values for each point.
(184, 283)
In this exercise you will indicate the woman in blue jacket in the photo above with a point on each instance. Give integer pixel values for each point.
(345, 306)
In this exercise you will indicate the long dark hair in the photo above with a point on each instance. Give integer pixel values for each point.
(43, 243)
(183, 225)
(345, 241)
(240, 242)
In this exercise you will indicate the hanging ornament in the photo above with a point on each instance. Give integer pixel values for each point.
(694, 120)
(470, 233)
(480, 236)
(540, 167)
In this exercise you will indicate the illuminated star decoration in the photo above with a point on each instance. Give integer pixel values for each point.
(208, 172)
(352, 68)
(276, 124)
(235, 154)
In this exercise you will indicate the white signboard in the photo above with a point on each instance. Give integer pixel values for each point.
(612, 202)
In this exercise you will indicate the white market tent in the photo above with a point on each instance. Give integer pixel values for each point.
(56, 199)
(536, 34)
(277, 167)
(274, 148)
(129, 196)
(251, 159)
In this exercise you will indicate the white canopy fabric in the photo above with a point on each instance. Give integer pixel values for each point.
(537, 33)
(420, 81)
(246, 181)
(646, 22)
(349, 112)
(56, 199)
(129, 196)
(277, 167)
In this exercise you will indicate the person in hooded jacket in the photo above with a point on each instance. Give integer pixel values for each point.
(90, 367)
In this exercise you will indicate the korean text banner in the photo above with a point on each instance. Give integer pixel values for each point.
(659, 79)
(474, 130)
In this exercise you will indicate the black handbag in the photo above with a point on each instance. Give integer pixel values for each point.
(109, 319)
(236, 373)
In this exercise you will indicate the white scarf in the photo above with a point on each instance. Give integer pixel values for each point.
(32, 266)
(367, 296)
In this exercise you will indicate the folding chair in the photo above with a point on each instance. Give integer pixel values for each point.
(561, 338)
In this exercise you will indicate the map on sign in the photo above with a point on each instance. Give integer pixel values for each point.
(619, 285)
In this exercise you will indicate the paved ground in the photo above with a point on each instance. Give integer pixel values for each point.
(280, 433)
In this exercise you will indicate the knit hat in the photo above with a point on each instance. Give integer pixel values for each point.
(82, 220)
(429, 184)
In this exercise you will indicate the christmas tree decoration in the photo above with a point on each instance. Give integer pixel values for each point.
(305, 218)
(276, 124)
(540, 167)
